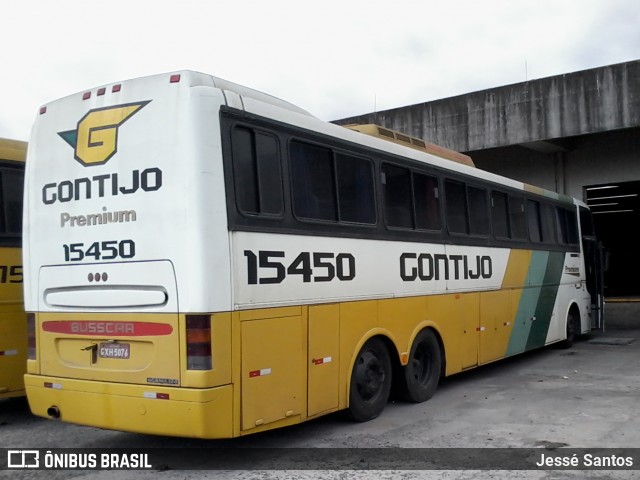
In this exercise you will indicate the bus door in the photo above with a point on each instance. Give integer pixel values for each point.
(593, 253)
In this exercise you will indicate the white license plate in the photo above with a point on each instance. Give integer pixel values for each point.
(114, 350)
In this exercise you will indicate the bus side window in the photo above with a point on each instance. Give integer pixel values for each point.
(548, 221)
(517, 219)
(533, 219)
(257, 172)
(397, 196)
(567, 226)
(427, 202)
(11, 183)
(314, 188)
(499, 215)
(572, 227)
(456, 201)
(355, 189)
(478, 211)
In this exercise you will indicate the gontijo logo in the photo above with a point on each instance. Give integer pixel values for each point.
(96, 139)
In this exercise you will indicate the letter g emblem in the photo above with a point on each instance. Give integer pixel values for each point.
(96, 139)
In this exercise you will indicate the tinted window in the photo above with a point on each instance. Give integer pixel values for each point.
(456, 207)
(533, 220)
(257, 173)
(478, 211)
(500, 215)
(586, 222)
(517, 220)
(397, 196)
(12, 184)
(572, 227)
(427, 202)
(314, 190)
(548, 221)
(355, 189)
(567, 226)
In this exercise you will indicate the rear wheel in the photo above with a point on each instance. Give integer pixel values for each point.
(370, 381)
(422, 373)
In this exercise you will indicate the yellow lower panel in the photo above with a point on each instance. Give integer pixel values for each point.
(201, 413)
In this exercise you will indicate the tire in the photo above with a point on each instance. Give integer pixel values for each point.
(573, 329)
(422, 373)
(370, 381)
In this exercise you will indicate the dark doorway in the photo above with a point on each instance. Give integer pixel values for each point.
(616, 215)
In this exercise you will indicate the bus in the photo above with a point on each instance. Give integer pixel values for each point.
(13, 320)
(206, 260)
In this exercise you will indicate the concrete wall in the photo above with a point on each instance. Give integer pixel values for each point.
(585, 102)
(594, 159)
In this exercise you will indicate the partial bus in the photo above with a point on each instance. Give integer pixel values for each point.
(13, 319)
(205, 260)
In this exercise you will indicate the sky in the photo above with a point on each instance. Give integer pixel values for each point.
(333, 58)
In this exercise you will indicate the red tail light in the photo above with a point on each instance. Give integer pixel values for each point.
(199, 342)
(31, 336)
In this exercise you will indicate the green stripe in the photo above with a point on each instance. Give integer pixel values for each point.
(537, 301)
(528, 302)
(546, 301)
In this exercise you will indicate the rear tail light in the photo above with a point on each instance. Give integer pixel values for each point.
(31, 336)
(199, 342)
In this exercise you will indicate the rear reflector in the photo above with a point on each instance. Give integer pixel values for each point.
(199, 342)
(31, 336)
(156, 395)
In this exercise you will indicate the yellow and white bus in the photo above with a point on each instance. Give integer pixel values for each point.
(13, 321)
(206, 260)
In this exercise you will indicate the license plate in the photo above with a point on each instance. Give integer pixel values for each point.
(114, 350)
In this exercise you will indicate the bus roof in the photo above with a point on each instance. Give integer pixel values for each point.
(14, 150)
(255, 94)
(199, 79)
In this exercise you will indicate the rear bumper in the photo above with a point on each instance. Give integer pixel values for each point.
(150, 409)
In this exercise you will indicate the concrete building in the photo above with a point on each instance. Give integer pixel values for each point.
(577, 134)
